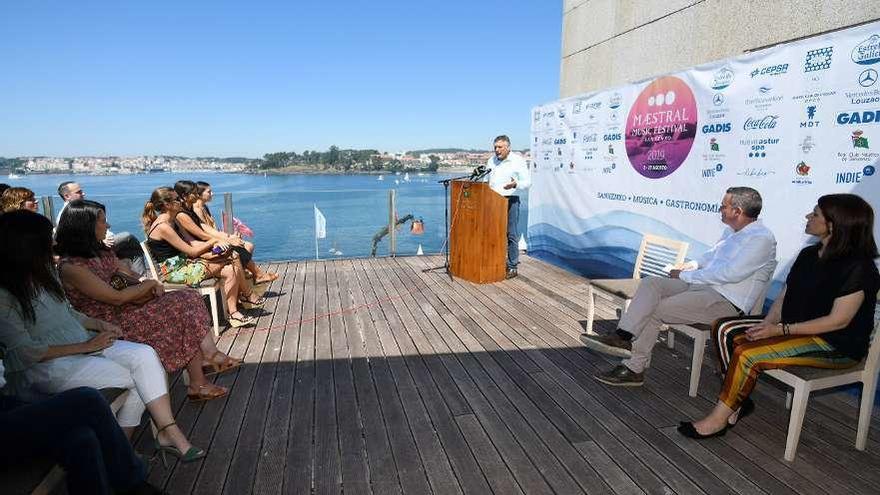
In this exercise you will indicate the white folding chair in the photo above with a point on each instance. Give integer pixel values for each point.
(208, 287)
(655, 253)
(700, 332)
(805, 380)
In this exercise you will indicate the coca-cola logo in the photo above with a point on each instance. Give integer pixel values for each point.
(765, 122)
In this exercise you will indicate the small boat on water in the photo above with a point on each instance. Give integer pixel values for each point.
(13, 176)
(381, 177)
(406, 177)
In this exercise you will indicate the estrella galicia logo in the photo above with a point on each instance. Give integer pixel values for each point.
(867, 78)
(722, 78)
(716, 128)
(770, 70)
(819, 59)
(865, 117)
(868, 51)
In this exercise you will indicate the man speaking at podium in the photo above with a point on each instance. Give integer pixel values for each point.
(509, 176)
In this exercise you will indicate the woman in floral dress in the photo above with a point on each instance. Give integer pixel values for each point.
(176, 324)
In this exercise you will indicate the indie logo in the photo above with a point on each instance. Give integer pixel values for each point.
(661, 127)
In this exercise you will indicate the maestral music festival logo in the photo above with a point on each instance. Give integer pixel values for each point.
(661, 127)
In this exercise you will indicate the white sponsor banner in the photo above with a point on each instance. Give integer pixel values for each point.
(794, 121)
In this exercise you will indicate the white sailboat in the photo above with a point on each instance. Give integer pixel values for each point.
(381, 177)
(406, 177)
(419, 252)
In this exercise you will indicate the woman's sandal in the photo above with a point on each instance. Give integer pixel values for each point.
(248, 304)
(192, 454)
(241, 321)
(211, 367)
(206, 392)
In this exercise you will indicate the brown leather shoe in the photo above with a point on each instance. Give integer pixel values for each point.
(609, 344)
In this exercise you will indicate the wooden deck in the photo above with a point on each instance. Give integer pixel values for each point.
(370, 376)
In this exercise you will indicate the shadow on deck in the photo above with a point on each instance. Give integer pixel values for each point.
(370, 376)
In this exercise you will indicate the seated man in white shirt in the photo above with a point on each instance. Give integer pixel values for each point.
(725, 281)
(124, 245)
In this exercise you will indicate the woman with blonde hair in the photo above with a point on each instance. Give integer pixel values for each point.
(191, 262)
(18, 198)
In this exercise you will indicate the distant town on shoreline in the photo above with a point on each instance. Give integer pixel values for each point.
(334, 160)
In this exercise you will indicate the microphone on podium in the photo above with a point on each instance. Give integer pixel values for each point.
(479, 172)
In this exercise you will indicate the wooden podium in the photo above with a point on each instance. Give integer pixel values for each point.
(478, 232)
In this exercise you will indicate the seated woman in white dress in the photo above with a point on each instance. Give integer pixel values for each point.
(51, 348)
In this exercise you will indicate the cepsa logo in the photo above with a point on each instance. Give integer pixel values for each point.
(867, 117)
(716, 128)
(770, 70)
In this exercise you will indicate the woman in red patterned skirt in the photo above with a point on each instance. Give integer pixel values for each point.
(176, 324)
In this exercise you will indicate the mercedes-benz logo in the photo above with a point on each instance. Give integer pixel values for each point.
(718, 99)
(867, 78)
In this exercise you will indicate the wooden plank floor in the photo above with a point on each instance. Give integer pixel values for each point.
(374, 377)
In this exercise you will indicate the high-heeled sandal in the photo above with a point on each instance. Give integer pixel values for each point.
(241, 321)
(192, 454)
(207, 392)
(248, 304)
(211, 367)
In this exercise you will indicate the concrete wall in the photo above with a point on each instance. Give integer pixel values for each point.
(612, 42)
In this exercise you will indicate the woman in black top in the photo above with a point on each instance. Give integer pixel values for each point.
(193, 227)
(822, 318)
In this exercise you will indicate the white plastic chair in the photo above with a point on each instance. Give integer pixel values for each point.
(701, 332)
(655, 253)
(208, 287)
(805, 380)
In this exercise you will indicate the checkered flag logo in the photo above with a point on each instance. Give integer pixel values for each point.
(818, 59)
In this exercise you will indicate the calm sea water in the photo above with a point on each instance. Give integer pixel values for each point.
(279, 209)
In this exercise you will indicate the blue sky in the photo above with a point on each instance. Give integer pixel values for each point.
(248, 78)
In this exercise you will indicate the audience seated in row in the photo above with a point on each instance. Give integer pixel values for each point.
(176, 324)
(52, 348)
(191, 262)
